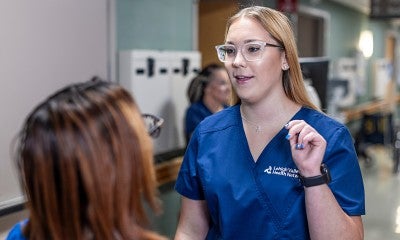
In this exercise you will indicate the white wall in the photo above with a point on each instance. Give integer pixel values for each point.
(44, 45)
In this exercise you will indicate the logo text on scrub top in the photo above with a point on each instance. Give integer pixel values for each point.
(283, 171)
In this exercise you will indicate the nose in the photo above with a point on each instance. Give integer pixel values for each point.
(239, 60)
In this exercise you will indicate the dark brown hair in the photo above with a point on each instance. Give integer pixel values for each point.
(86, 164)
(195, 91)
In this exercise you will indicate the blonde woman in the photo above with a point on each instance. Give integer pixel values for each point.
(272, 166)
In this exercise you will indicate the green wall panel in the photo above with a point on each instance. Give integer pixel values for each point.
(154, 24)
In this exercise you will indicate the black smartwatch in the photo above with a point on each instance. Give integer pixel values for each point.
(324, 178)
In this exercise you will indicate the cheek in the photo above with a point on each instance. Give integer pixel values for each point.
(229, 68)
(222, 89)
(219, 89)
(268, 69)
(227, 88)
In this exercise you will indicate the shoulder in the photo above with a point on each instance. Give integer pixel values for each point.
(198, 107)
(195, 105)
(198, 104)
(340, 142)
(322, 122)
(16, 231)
(223, 119)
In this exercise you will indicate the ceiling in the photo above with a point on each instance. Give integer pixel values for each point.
(360, 5)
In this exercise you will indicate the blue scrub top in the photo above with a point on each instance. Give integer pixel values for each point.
(194, 115)
(263, 199)
(16, 231)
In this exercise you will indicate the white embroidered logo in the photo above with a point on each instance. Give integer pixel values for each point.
(283, 171)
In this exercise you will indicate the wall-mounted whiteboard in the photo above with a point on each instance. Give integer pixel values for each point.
(158, 80)
(44, 45)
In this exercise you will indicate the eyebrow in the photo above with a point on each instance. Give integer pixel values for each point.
(247, 41)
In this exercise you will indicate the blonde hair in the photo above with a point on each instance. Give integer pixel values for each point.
(279, 27)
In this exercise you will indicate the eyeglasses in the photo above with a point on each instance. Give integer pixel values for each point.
(251, 51)
(153, 124)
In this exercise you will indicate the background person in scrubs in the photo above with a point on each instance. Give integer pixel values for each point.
(208, 93)
(272, 166)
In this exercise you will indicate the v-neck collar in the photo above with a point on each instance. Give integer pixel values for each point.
(277, 139)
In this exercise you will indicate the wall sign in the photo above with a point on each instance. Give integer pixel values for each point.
(385, 9)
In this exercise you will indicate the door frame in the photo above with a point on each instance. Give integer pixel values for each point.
(325, 16)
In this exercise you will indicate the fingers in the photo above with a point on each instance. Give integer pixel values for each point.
(307, 146)
(299, 146)
(301, 135)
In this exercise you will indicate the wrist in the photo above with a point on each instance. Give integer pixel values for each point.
(310, 172)
(318, 179)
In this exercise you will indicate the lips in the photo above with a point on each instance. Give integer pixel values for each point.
(242, 79)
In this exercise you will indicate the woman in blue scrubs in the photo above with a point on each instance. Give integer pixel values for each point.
(272, 166)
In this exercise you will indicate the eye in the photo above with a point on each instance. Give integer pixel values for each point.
(253, 48)
(229, 50)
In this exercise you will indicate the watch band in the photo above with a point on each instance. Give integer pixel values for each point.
(324, 178)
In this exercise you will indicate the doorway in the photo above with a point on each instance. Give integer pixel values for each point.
(211, 26)
(311, 32)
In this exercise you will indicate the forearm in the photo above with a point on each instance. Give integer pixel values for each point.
(186, 231)
(193, 220)
(326, 219)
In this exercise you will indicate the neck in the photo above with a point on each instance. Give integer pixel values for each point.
(260, 116)
(268, 110)
(257, 127)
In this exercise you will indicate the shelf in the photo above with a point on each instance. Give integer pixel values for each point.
(168, 171)
(379, 106)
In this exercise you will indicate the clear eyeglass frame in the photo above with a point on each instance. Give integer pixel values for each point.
(251, 51)
(153, 124)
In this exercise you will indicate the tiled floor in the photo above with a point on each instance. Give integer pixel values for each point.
(382, 190)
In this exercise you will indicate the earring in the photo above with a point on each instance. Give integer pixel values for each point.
(285, 67)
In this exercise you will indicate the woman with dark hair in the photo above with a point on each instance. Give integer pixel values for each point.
(86, 163)
(209, 92)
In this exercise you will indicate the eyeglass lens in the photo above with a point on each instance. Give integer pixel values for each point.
(153, 124)
(250, 51)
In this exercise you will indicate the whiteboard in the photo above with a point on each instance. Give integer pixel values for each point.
(158, 80)
(45, 45)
